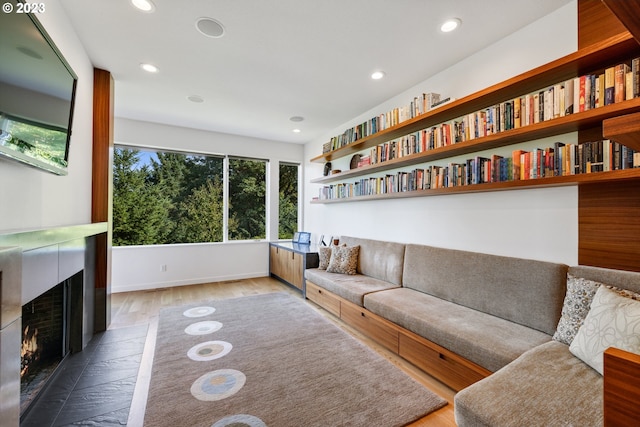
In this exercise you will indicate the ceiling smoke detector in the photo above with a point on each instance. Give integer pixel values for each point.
(209, 27)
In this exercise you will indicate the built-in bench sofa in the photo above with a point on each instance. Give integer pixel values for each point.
(480, 323)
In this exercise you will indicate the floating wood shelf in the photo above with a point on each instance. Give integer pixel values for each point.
(574, 122)
(548, 182)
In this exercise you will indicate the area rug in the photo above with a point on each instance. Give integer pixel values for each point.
(271, 360)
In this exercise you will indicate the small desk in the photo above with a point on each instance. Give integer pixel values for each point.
(288, 260)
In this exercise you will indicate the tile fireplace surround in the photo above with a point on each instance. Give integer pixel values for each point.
(31, 263)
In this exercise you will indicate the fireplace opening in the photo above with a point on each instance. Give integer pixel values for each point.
(49, 323)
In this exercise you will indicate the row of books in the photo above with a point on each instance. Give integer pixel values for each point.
(559, 160)
(420, 105)
(615, 84)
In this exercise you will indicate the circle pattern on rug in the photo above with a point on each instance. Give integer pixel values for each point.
(218, 385)
(209, 350)
(240, 420)
(203, 328)
(199, 311)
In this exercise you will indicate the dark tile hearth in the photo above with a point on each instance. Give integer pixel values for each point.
(94, 387)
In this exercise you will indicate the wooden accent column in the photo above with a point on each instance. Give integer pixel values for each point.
(609, 225)
(102, 191)
(608, 212)
(621, 386)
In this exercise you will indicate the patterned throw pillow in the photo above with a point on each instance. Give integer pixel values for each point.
(344, 259)
(324, 254)
(613, 321)
(577, 303)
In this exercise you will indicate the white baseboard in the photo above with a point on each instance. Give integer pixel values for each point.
(195, 281)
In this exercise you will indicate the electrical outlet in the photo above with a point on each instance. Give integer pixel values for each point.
(163, 268)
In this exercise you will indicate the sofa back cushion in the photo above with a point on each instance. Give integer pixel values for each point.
(618, 278)
(524, 291)
(378, 259)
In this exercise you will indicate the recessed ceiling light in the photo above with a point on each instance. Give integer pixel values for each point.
(377, 75)
(297, 131)
(149, 68)
(450, 25)
(144, 5)
(296, 118)
(196, 98)
(210, 27)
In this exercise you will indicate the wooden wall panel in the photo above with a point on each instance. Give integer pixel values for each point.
(609, 225)
(596, 23)
(102, 190)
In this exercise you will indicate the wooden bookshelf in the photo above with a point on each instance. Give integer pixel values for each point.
(595, 57)
(547, 182)
(571, 123)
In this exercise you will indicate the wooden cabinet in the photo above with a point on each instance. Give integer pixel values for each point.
(591, 59)
(287, 262)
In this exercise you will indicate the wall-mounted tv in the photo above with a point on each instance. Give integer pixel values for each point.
(37, 91)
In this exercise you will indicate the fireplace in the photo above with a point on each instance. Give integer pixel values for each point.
(63, 260)
(47, 331)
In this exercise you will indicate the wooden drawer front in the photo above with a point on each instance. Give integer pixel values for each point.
(323, 298)
(440, 363)
(371, 325)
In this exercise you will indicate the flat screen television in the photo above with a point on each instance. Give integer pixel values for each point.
(37, 91)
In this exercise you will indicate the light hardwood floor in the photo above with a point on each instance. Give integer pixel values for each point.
(142, 307)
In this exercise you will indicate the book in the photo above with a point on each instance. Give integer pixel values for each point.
(442, 102)
(516, 156)
(568, 97)
(582, 93)
(609, 86)
(600, 91)
(619, 81)
(635, 69)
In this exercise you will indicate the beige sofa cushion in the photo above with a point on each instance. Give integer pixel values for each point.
(352, 288)
(487, 340)
(524, 291)
(546, 386)
(378, 259)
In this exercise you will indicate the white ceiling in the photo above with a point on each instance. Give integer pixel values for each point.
(282, 58)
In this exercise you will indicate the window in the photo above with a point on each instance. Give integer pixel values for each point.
(168, 197)
(247, 199)
(288, 200)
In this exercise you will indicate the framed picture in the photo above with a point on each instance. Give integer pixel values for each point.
(296, 237)
(304, 238)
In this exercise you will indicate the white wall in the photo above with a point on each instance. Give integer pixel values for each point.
(532, 223)
(33, 199)
(136, 268)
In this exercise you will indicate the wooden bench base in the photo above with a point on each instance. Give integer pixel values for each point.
(448, 367)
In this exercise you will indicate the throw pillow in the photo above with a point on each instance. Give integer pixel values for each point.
(577, 302)
(324, 254)
(344, 260)
(613, 321)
